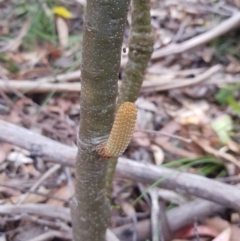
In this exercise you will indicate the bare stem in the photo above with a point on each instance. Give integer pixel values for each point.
(102, 39)
(140, 50)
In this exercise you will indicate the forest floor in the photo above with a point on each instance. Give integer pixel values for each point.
(188, 120)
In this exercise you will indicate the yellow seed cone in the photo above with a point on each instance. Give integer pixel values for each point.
(122, 130)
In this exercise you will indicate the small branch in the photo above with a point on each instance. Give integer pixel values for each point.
(140, 50)
(199, 186)
(217, 31)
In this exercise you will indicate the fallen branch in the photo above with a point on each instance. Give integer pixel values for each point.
(37, 87)
(150, 86)
(51, 234)
(43, 85)
(202, 187)
(215, 32)
(177, 217)
(42, 210)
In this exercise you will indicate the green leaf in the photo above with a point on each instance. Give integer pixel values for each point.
(222, 126)
(223, 95)
(233, 104)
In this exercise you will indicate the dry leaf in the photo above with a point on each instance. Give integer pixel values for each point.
(192, 114)
(62, 12)
(233, 146)
(19, 157)
(170, 128)
(63, 193)
(5, 148)
(128, 209)
(221, 225)
(141, 138)
(146, 105)
(204, 144)
(207, 54)
(32, 198)
(224, 236)
(158, 154)
(63, 32)
(168, 146)
(201, 230)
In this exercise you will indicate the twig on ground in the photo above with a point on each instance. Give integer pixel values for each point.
(155, 215)
(26, 99)
(207, 148)
(38, 87)
(49, 235)
(177, 217)
(42, 210)
(151, 86)
(171, 196)
(110, 236)
(217, 31)
(181, 29)
(199, 186)
(48, 173)
(165, 134)
(195, 227)
(49, 211)
(34, 192)
(14, 44)
(43, 86)
(202, 187)
(52, 224)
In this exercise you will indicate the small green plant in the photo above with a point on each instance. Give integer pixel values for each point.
(42, 28)
(206, 165)
(225, 45)
(9, 64)
(226, 95)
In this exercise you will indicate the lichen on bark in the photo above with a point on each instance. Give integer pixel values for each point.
(102, 39)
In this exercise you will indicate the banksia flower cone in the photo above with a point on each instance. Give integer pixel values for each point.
(121, 132)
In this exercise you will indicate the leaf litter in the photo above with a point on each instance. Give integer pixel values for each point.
(191, 93)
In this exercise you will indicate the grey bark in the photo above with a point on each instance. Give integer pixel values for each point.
(102, 39)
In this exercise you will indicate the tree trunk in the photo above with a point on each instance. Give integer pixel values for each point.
(102, 40)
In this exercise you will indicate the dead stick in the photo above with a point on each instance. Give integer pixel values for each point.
(178, 83)
(177, 217)
(43, 85)
(215, 32)
(202, 187)
(28, 86)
